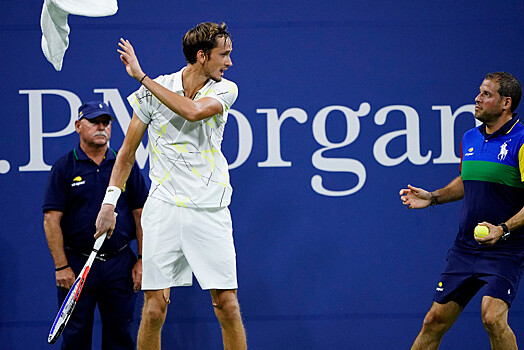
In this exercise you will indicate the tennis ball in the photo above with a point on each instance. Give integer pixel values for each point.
(481, 231)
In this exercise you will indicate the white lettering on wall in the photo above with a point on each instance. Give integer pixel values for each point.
(336, 164)
(447, 132)
(274, 157)
(320, 183)
(412, 133)
(36, 131)
(245, 139)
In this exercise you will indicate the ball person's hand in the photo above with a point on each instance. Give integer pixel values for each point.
(495, 232)
(415, 198)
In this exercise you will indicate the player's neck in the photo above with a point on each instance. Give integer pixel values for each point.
(193, 79)
(96, 153)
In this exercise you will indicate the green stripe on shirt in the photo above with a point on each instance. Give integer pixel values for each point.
(492, 172)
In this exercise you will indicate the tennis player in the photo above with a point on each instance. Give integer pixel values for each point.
(186, 221)
(491, 184)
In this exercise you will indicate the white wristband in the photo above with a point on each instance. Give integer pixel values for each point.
(112, 195)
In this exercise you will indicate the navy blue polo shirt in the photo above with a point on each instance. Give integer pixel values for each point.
(77, 186)
(492, 170)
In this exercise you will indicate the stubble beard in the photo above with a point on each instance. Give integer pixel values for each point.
(215, 79)
(209, 75)
(486, 118)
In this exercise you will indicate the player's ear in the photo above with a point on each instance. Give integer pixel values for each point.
(201, 56)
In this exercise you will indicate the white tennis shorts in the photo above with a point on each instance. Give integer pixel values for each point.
(179, 242)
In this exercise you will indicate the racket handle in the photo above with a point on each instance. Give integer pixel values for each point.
(99, 241)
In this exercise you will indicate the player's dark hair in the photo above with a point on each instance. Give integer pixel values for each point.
(203, 37)
(509, 87)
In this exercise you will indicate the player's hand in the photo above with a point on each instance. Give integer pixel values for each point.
(65, 278)
(495, 232)
(137, 275)
(128, 57)
(415, 198)
(105, 221)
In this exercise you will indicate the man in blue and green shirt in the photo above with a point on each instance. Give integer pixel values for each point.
(491, 186)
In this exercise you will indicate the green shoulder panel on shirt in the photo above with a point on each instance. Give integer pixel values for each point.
(492, 172)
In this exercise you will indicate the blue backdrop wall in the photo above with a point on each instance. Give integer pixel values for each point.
(341, 104)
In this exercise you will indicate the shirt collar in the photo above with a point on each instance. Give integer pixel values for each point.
(81, 155)
(504, 129)
(178, 87)
(177, 82)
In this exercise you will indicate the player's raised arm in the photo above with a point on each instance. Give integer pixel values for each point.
(184, 106)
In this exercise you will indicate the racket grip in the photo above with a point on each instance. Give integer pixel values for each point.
(99, 241)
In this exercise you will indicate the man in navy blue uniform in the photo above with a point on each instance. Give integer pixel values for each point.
(491, 184)
(75, 189)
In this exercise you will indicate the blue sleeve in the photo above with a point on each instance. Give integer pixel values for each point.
(137, 188)
(55, 197)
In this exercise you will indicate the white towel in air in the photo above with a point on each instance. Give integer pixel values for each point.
(55, 30)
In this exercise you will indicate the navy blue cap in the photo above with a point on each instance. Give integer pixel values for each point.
(93, 109)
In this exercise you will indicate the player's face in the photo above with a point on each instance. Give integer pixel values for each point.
(219, 60)
(94, 132)
(488, 104)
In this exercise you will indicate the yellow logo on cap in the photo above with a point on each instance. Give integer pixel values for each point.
(78, 178)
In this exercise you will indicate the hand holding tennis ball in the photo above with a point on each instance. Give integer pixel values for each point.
(481, 231)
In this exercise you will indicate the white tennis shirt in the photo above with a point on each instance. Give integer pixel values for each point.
(187, 167)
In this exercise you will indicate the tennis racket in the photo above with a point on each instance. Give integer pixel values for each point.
(74, 293)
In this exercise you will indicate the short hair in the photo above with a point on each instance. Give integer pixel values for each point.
(509, 86)
(203, 37)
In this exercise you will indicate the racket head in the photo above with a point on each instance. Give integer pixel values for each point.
(72, 296)
(64, 313)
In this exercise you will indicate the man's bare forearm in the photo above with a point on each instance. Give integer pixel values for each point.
(54, 237)
(452, 192)
(126, 156)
